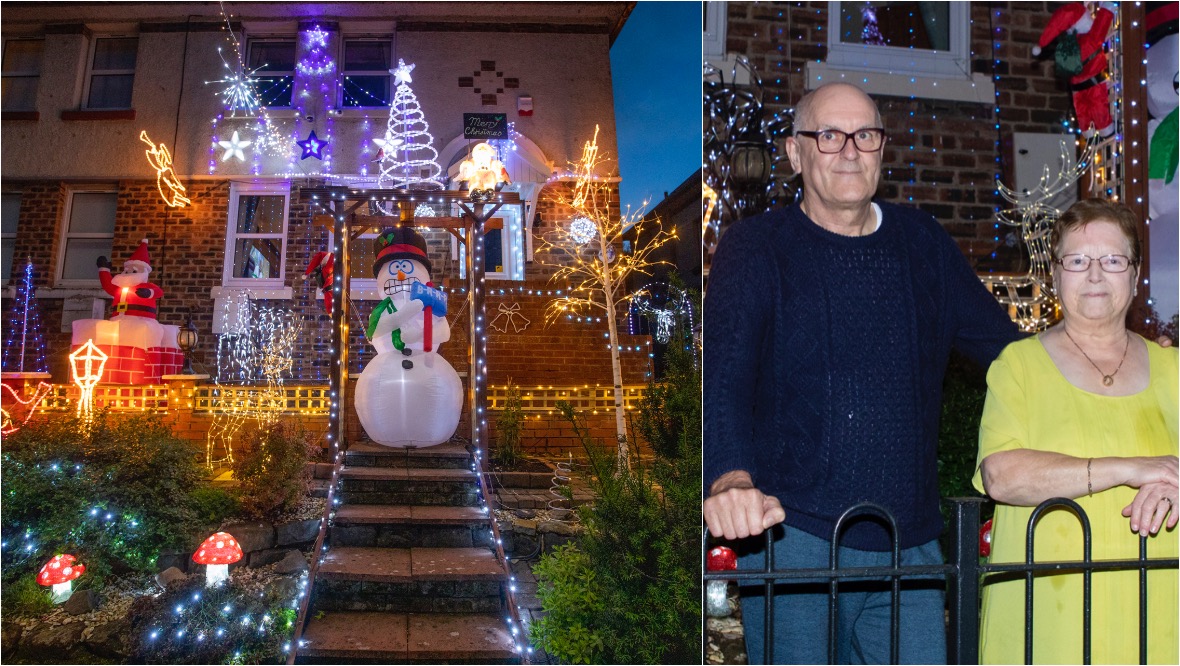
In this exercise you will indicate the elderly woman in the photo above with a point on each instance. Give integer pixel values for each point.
(1085, 410)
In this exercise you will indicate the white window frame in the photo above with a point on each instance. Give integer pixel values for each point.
(884, 70)
(91, 72)
(7, 239)
(294, 71)
(716, 21)
(236, 191)
(25, 74)
(512, 249)
(344, 39)
(67, 236)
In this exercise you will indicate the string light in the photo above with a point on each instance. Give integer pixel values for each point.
(24, 321)
(166, 181)
(86, 366)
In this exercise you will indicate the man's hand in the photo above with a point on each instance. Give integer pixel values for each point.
(1164, 341)
(736, 509)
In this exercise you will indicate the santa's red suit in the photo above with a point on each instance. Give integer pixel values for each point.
(1089, 87)
(131, 301)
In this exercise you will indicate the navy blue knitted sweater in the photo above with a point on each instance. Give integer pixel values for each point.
(824, 361)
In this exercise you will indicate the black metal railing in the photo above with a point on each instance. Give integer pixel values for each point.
(963, 573)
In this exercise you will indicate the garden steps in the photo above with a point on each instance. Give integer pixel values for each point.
(409, 574)
(342, 636)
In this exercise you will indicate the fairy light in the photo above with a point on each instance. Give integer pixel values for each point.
(86, 366)
(413, 163)
(317, 62)
(23, 336)
(9, 422)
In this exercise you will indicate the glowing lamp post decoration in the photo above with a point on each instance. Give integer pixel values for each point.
(86, 366)
(60, 573)
(217, 553)
(186, 339)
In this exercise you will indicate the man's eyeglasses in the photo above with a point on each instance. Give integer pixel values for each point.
(867, 140)
(1111, 263)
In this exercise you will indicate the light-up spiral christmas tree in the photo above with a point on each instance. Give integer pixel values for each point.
(409, 160)
(24, 345)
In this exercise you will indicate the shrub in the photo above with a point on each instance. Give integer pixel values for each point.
(509, 451)
(113, 494)
(225, 624)
(214, 505)
(25, 597)
(273, 470)
(630, 591)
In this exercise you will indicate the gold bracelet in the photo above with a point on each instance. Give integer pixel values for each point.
(1089, 486)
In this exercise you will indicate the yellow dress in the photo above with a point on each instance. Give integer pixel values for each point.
(1031, 405)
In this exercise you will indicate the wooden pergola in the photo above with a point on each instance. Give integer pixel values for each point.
(350, 214)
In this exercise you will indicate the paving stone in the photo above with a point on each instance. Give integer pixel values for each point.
(390, 565)
(343, 634)
(442, 638)
(455, 563)
(372, 513)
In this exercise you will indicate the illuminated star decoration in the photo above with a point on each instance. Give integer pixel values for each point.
(317, 62)
(401, 73)
(161, 160)
(233, 147)
(312, 147)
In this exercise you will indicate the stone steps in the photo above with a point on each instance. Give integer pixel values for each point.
(358, 637)
(406, 526)
(410, 574)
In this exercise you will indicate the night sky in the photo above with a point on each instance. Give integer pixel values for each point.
(656, 67)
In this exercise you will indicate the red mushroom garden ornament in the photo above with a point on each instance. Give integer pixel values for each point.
(217, 553)
(60, 572)
(720, 558)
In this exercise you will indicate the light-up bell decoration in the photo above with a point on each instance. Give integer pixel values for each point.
(86, 366)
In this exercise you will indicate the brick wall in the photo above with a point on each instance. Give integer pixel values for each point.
(947, 163)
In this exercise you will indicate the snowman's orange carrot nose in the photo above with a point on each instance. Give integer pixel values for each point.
(401, 275)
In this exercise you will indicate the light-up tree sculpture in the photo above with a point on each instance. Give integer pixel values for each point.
(24, 344)
(410, 160)
(595, 268)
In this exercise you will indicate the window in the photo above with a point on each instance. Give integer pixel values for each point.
(273, 64)
(503, 257)
(112, 72)
(366, 73)
(11, 217)
(923, 48)
(22, 73)
(255, 246)
(89, 234)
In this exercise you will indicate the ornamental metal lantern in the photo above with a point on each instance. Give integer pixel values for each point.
(186, 339)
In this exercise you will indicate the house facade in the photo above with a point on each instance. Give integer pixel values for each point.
(130, 121)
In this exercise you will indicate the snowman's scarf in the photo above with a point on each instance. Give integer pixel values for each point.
(382, 308)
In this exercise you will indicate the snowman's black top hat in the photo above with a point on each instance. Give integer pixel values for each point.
(399, 243)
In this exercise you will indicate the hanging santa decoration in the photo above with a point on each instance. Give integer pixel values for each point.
(408, 395)
(140, 348)
(322, 266)
(1079, 54)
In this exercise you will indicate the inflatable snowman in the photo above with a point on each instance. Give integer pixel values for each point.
(1163, 186)
(408, 395)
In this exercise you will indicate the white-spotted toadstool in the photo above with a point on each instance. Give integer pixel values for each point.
(60, 572)
(217, 553)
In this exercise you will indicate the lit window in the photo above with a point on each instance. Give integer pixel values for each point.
(112, 73)
(22, 73)
(89, 234)
(503, 249)
(11, 218)
(255, 245)
(366, 73)
(916, 38)
(273, 64)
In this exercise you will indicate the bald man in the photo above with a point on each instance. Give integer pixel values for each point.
(828, 327)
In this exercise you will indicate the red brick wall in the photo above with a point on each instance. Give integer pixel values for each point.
(947, 165)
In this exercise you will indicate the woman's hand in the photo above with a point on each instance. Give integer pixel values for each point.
(1142, 471)
(1152, 504)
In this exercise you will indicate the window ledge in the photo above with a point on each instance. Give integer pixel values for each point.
(20, 115)
(72, 292)
(267, 293)
(97, 114)
(979, 89)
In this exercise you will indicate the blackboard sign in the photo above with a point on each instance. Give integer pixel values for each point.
(482, 126)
